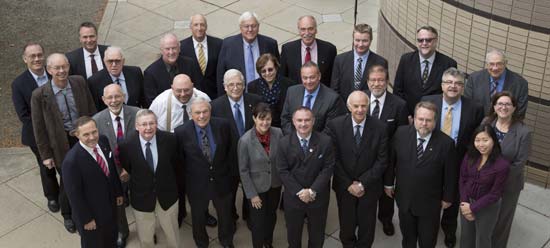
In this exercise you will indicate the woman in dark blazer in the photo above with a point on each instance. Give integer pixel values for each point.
(270, 86)
(483, 174)
(261, 183)
(515, 140)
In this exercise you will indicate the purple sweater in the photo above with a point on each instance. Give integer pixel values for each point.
(484, 186)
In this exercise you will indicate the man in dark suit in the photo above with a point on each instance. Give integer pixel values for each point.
(361, 158)
(242, 50)
(350, 68)
(159, 75)
(129, 78)
(87, 60)
(295, 53)
(419, 72)
(203, 50)
(392, 110)
(423, 166)
(323, 101)
(209, 152)
(93, 186)
(150, 156)
(496, 77)
(459, 116)
(21, 89)
(305, 162)
(114, 122)
(55, 106)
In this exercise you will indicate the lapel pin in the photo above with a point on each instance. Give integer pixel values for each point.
(310, 149)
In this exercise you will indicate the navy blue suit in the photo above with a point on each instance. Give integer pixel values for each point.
(207, 82)
(133, 78)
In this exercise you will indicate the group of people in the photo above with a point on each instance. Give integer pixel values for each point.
(211, 116)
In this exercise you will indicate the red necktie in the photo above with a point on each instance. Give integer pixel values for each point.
(101, 162)
(119, 138)
(308, 55)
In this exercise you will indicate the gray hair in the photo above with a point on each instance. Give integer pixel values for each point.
(232, 73)
(168, 35)
(200, 100)
(114, 49)
(143, 112)
(53, 55)
(451, 71)
(357, 92)
(494, 51)
(247, 16)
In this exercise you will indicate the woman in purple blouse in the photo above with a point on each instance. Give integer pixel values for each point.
(483, 175)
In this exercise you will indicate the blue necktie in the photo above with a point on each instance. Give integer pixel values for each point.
(304, 145)
(250, 74)
(494, 85)
(239, 119)
(308, 101)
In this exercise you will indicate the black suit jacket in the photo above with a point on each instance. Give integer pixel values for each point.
(284, 83)
(232, 55)
(394, 113)
(207, 82)
(76, 60)
(157, 79)
(91, 193)
(365, 163)
(408, 79)
(198, 171)
(343, 73)
(133, 78)
(146, 186)
(221, 107)
(311, 170)
(421, 185)
(291, 60)
(21, 92)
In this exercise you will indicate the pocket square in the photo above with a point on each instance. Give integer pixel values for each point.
(390, 120)
(110, 154)
(320, 156)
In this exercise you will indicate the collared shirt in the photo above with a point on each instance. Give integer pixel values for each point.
(160, 106)
(312, 51)
(67, 114)
(314, 94)
(122, 82)
(306, 138)
(430, 64)
(241, 107)
(210, 136)
(115, 123)
(204, 48)
(90, 150)
(381, 101)
(255, 53)
(88, 61)
(40, 79)
(456, 113)
(426, 140)
(362, 124)
(500, 81)
(153, 148)
(356, 56)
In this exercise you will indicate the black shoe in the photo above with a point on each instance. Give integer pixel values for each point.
(69, 225)
(211, 221)
(450, 240)
(53, 205)
(387, 227)
(121, 242)
(155, 239)
(249, 225)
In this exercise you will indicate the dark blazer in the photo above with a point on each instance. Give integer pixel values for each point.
(47, 120)
(343, 72)
(21, 92)
(291, 60)
(198, 171)
(207, 82)
(76, 60)
(408, 79)
(328, 105)
(284, 83)
(157, 79)
(394, 113)
(221, 107)
(105, 124)
(311, 170)
(365, 163)
(134, 85)
(477, 88)
(421, 185)
(91, 193)
(146, 186)
(232, 55)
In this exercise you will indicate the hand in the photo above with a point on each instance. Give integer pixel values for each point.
(49, 163)
(465, 208)
(305, 196)
(119, 201)
(256, 202)
(124, 176)
(90, 226)
(469, 217)
(389, 192)
(445, 204)
(356, 189)
(411, 120)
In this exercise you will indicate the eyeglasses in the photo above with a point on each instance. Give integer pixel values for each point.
(234, 85)
(453, 83)
(504, 104)
(270, 69)
(114, 61)
(427, 40)
(381, 80)
(250, 26)
(59, 67)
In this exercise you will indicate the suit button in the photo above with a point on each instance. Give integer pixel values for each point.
(211, 167)
(211, 179)
(269, 172)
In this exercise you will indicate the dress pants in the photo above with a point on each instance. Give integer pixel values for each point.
(63, 199)
(102, 237)
(146, 223)
(419, 229)
(449, 219)
(385, 208)
(477, 233)
(263, 220)
(316, 222)
(122, 220)
(244, 207)
(50, 186)
(356, 213)
(509, 202)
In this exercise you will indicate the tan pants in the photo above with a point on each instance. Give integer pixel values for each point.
(168, 221)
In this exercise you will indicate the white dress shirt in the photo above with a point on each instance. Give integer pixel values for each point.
(430, 64)
(204, 49)
(381, 101)
(88, 61)
(115, 123)
(122, 82)
(153, 148)
(90, 150)
(159, 107)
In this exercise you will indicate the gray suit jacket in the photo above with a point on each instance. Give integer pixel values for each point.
(257, 169)
(477, 88)
(105, 124)
(327, 106)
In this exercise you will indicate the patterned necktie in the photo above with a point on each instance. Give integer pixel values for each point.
(357, 135)
(101, 162)
(358, 74)
(420, 148)
(425, 72)
(493, 86)
(185, 114)
(205, 146)
(238, 119)
(250, 74)
(308, 55)
(119, 138)
(376, 111)
(92, 62)
(304, 145)
(448, 122)
(149, 156)
(202, 59)
(117, 81)
(308, 101)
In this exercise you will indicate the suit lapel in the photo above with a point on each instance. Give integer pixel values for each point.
(298, 55)
(439, 104)
(106, 119)
(229, 112)
(92, 163)
(295, 142)
(257, 145)
(128, 118)
(318, 100)
(247, 111)
(312, 147)
(463, 118)
(77, 97)
(387, 108)
(82, 64)
(416, 70)
(240, 52)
